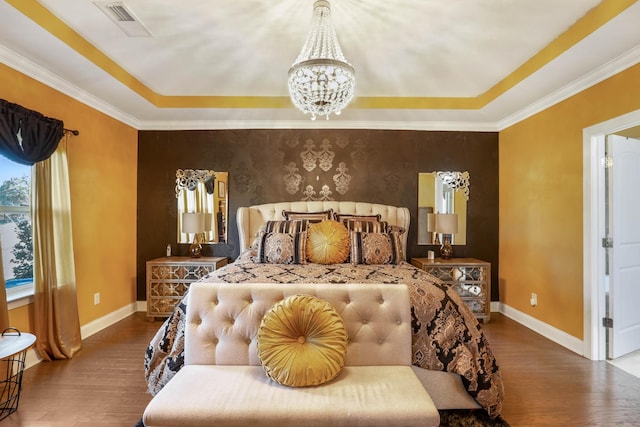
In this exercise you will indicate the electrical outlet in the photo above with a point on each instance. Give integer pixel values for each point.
(534, 299)
(96, 298)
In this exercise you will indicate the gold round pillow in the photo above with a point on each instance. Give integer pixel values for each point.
(302, 341)
(328, 242)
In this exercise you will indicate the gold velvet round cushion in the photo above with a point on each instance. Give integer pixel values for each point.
(302, 341)
(328, 242)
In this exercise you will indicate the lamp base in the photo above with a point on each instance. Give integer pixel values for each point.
(195, 250)
(446, 250)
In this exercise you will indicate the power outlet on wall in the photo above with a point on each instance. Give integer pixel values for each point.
(96, 298)
(534, 299)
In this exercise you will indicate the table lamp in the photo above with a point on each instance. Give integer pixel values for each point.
(194, 223)
(447, 225)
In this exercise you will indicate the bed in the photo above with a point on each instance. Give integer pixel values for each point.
(450, 353)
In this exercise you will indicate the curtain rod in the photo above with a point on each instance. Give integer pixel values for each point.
(72, 131)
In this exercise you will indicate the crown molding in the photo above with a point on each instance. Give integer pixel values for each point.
(35, 71)
(308, 124)
(44, 76)
(613, 67)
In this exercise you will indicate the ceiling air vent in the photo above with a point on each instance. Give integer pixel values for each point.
(122, 16)
(120, 12)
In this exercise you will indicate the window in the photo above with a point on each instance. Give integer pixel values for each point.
(15, 228)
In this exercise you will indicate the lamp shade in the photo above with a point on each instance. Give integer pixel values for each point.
(446, 223)
(192, 222)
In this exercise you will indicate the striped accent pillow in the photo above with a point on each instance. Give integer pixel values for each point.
(346, 217)
(282, 248)
(290, 227)
(312, 217)
(365, 226)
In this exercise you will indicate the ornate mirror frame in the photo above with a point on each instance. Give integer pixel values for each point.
(443, 192)
(203, 191)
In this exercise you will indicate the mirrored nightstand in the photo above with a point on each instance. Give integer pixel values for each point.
(169, 278)
(470, 277)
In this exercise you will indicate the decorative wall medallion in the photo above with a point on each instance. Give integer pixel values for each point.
(358, 155)
(292, 143)
(308, 193)
(292, 179)
(342, 142)
(308, 156)
(318, 160)
(342, 178)
(325, 193)
(325, 156)
(243, 181)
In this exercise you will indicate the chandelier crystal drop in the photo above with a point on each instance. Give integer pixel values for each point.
(321, 81)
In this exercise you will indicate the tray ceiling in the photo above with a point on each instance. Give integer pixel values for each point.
(421, 64)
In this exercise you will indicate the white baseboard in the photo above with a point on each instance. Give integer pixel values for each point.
(141, 306)
(108, 320)
(32, 358)
(554, 334)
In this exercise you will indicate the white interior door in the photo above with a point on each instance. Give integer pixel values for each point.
(624, 256)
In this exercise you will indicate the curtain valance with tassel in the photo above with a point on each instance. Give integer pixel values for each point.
(26, 136)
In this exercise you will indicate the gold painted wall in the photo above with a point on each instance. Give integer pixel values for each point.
(540, 182)
(103, 173)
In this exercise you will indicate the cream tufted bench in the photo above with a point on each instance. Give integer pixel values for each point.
(223, 384)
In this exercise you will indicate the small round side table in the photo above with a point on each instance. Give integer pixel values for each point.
(13, 351)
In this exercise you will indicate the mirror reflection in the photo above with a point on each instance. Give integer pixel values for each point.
(202, 191)
(442, 192)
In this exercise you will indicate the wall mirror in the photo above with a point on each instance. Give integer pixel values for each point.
(203, 191)
(442, 192)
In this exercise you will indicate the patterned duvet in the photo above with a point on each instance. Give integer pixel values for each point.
(446, 335)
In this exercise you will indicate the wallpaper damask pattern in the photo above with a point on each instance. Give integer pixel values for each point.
(312, 173)
(377, 166)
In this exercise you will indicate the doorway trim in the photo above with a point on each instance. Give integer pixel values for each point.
(593, 218)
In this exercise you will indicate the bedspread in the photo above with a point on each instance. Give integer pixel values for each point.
(446, 335)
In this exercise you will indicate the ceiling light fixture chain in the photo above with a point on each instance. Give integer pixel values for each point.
(321, 81)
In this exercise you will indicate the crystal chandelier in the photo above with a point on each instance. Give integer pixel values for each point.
(321, 81)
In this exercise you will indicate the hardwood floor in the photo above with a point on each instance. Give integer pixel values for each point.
(103, 385)
(545, 384)
(548, 385)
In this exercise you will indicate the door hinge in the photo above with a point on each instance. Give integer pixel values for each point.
(607, 242)
(607, 161)
(607, 322)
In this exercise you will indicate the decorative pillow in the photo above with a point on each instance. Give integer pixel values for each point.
(302, 341)
(366, 226)
(282, 248)
(341, 218)
(376, 248)
(327, 243)
(287, 226)
(310, 216)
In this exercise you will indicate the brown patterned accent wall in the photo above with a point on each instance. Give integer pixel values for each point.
(379, 166)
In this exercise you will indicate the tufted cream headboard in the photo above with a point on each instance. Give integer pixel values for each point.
(251, 218)
(223, 320)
